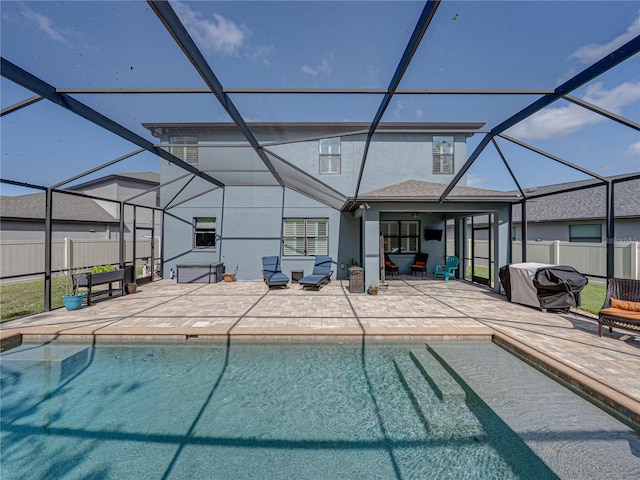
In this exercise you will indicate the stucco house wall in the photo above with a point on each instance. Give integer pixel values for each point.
(398, 183)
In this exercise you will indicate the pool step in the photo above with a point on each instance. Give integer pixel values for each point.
(443, 384)
(442, 419)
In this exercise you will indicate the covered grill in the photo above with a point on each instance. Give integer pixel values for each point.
(542, 286)
(559, 286)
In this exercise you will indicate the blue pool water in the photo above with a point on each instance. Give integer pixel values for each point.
(449, 410)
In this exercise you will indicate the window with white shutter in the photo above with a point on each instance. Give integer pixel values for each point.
(305, 236)
(442, 155)
(330, 157)
(188, 152)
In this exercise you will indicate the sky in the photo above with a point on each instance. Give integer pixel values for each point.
(469, 45)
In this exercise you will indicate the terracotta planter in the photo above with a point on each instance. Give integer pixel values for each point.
(373, 290)
(229, 277)
(131, 288)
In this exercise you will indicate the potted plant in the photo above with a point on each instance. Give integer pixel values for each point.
(131, 287)
(230, 277)
(373, 288)
(72, 298)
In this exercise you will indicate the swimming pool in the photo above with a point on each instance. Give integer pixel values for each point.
(271, 411)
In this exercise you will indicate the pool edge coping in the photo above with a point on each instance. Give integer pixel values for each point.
(618, 404)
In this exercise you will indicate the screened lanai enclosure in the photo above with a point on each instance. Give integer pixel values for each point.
(144, 135)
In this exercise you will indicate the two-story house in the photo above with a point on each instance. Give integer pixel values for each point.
(305, 191)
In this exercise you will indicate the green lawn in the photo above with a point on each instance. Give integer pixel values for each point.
(592, 297)
(22, 299)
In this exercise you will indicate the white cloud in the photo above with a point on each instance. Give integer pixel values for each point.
(634, 149)
(308, 70)
(219, 36)
(323, 67)
(373, 76)
(594, 52)
(400, 106)
(263, 54)
(474, 180)
(44, 23)
(559, 121)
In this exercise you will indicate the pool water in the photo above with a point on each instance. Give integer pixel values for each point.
(273, 411)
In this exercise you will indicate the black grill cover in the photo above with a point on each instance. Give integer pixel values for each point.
(559, 286)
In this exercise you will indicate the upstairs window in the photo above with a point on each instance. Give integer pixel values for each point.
(204, 232)
(188, 153)
(305, 236)
(401, 236)
(330, 156)
(443, 155)
(585, 233)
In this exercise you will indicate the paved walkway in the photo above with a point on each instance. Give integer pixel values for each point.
(565, 344)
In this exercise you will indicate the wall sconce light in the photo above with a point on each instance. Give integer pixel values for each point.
(365, 205)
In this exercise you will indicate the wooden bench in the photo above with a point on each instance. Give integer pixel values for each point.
(88, 280)
(627, 290)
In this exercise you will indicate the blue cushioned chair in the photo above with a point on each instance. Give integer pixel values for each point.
(272, 274)
(321, 275)
(449, 268)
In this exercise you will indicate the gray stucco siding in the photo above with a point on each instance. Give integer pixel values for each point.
(250, 227)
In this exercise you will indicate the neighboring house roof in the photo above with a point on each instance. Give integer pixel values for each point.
(150, 178)
(65, 207)
(586, 204)
(412, 190)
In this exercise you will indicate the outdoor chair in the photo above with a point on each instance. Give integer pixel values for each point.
(389, 267)
(621, 308)
(449, 268)
(420, 264)
(272, 274)
(321, 275)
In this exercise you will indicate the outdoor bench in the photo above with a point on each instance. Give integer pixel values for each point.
(621, 308)
(89, 280)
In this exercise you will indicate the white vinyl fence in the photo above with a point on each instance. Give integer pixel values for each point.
(587, 258)
(22, 257)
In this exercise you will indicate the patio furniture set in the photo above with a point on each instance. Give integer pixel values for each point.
(322, 270)
(420, 266)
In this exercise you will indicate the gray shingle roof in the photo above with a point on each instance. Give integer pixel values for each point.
(152, 177)
(581, 204)
(415, 189)
(149, 178)
(65, 207)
